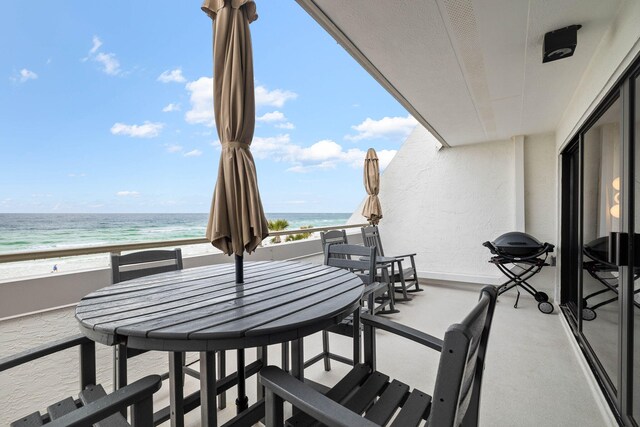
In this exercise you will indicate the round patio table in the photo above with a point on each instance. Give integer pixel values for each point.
(202, 309)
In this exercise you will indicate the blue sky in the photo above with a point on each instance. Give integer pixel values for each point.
(108, 108)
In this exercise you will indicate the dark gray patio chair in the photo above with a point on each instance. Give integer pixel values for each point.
(364, 391)
(339, 237)
(142, 264)
(349, 257)
(93, 405)
(371, 237)
(387, 303)
(328, 237)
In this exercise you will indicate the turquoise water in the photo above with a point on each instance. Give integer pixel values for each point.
(28, 232)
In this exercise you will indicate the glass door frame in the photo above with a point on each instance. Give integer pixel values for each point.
(571, 229)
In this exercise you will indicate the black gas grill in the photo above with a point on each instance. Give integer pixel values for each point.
(520, 256)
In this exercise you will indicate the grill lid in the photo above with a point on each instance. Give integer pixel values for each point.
(516, 243)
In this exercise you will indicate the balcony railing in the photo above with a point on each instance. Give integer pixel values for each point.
(123, 247)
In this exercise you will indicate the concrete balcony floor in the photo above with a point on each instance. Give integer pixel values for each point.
(533, 374)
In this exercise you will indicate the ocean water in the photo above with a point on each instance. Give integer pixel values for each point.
(29, 232)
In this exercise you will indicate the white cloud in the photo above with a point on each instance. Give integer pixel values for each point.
(387, 127)
(272, 98)
(173, 148)
(193, 153)
(287, 125)
(201, 98)
(96, 45)
(323, 155)
(171, 107)
(24, 75)
(274, 116)
(127, 193)
(145, 130)
(76, 175)
(172, 76)
(108, 61)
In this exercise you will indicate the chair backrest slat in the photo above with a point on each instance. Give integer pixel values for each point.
(456, 396)
(371, 237)
(333, 236)
(349, 257)
(144, 263)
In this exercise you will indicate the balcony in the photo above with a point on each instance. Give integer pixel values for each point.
(535, 373)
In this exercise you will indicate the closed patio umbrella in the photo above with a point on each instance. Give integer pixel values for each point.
(237, 222)
(372, 209)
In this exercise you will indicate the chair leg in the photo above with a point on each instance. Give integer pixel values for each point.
(142, 413)
(120, 370)
(325, 351)
(262, 355)
(403, 284)
(356, 336)
(285, 357)
(274, 409)
(222, 372)
(415, 281)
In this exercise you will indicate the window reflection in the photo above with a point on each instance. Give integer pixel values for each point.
(601, 216)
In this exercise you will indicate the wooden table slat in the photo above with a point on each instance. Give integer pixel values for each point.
(297, 311)
(118, 306)
(156, 316)
(202, 309)
(171, 279)
(252, 315)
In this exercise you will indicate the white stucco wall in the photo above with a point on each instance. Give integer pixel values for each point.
(540, 177)
(619, 46)
(442, 204)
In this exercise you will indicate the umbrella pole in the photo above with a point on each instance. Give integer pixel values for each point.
(242, 402)
(239, 269)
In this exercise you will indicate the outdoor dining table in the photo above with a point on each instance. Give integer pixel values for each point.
(203, 310)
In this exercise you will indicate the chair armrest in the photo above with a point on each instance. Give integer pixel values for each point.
(110, 404)
(41, 351)
(402, 330)
(309, 400)
(373, 287)
(405, 256)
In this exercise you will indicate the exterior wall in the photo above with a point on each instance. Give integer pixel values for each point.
(540, 177)
(442, 204)
(619, 46)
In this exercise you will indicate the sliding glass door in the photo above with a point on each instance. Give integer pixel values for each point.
(634, 288)
(601, 196)
(600, 244)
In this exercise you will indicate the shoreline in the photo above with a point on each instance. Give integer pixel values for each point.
(20, 270)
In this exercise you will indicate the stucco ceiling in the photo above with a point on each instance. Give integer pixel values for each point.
(470, 70)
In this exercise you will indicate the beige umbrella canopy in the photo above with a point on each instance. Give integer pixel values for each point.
(372, 209)
(237, 222)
